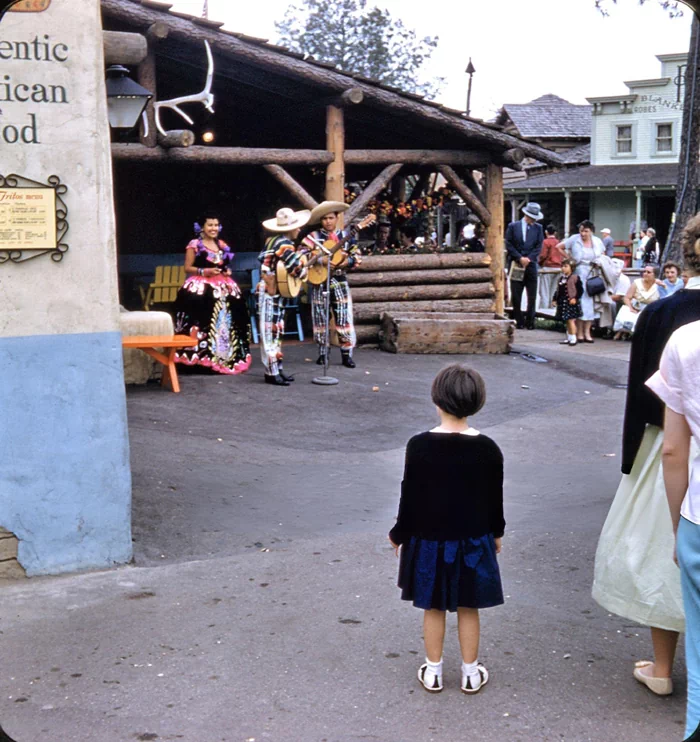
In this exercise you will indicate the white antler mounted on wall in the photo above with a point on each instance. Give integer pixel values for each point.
(205, 97)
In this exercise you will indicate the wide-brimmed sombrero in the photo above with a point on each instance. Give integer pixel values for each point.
(326, 207)
(287, 220)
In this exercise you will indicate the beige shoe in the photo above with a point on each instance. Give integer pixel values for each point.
(660, 686)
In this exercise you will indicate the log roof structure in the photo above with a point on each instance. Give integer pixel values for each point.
(309, 125)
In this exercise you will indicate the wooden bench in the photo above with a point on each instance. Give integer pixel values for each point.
(149, 343)
(163, 290)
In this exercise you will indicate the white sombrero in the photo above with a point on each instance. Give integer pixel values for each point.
(326, 207)
(287, 220)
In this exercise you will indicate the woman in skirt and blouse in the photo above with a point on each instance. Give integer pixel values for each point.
(450, 525)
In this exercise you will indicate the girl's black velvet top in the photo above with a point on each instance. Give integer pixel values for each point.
(452, 488)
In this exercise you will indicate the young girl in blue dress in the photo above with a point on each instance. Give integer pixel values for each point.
(450, 525)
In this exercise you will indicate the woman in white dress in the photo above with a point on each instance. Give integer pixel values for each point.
(585, 248)
(640, 294)
(634, 574)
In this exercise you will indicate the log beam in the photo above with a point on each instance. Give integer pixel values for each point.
(292, 185)
(199, 155)
(263, 155)
(350, 97)
(176, 138)
(473, 186)
(129, 49)
(419, 157)
(422, 293)
(495, 232)
(468, 197)
(422, 261)
(371, 312)
(373, 189)
(421, 277)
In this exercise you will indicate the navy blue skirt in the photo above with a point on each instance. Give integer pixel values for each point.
(446, 575)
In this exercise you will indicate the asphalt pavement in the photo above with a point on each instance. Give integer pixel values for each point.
(262, 601)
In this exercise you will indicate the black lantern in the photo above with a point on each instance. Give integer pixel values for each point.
(126, 99)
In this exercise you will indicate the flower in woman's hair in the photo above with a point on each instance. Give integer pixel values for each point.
(197, 229)
(221, 226)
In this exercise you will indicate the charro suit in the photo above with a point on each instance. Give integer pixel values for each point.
(529, 247)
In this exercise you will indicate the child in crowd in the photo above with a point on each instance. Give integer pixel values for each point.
(567, 299)
(450, 525)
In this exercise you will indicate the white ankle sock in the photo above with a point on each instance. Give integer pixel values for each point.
(572, 338)
(434, 667)
(471, 670)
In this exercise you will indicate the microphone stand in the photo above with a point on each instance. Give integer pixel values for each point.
(326, 380)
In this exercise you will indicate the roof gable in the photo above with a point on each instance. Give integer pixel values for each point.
(549, 117)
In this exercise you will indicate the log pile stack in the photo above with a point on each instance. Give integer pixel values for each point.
(444, 332)
(400, 284)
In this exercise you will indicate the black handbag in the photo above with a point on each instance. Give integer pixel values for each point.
(595, 284)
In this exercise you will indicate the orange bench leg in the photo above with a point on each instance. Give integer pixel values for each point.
(170, 372)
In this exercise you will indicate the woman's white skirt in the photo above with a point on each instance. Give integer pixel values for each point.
(635, 575)
(626, 320)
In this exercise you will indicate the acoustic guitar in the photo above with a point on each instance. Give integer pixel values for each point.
(318, 273)
(287, 285)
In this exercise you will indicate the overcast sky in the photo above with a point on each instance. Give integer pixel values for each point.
(521, 50)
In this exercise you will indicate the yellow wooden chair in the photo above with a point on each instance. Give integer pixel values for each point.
(163, 290)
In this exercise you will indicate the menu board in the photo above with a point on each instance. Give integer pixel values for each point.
(28, 219)
(30, 6)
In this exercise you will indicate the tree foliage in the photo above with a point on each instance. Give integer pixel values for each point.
(366, 42)
(674, 7)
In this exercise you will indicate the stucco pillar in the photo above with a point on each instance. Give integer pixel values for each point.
(567, 213)
(65, 484)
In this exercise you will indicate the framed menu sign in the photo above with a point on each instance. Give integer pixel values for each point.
(30, 6)
(33, 218)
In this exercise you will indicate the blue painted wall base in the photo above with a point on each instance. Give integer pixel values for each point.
(65, 481)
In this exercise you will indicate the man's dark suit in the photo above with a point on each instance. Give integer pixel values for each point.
(529, 248)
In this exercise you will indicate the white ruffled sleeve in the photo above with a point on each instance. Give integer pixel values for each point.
(666, 383)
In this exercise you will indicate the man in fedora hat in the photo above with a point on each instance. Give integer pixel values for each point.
(285, 227)
(524, 243)
(326, 213)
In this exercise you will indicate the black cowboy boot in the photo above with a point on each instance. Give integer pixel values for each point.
(347, 359)
(276, 380)
(695, 736)
(285, 377)
(323, 358)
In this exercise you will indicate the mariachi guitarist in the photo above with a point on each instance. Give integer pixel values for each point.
(326, 213)
(285, 227)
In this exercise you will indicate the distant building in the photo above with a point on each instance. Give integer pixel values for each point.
(551, 122)
(635, 140)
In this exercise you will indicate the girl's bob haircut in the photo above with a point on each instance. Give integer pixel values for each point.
(459, 391)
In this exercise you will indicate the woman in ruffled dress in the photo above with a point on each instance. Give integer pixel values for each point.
(210, 307)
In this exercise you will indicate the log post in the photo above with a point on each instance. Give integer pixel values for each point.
(373, 188)
(129, 49)
(467, 196)
(292, 185)
(494, 234)
(176, 138)
(335, 143)
(147, 77)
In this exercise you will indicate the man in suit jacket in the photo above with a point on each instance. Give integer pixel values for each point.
(524, 244)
